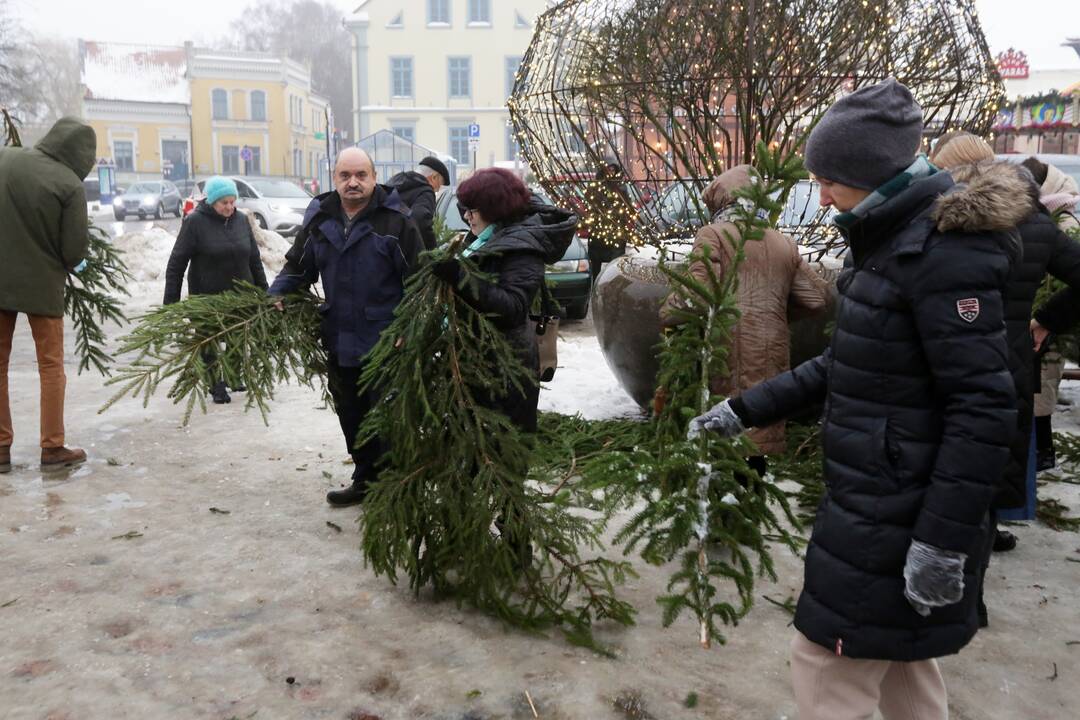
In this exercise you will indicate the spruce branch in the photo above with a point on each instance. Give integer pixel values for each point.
(703, 506)
(452, 509)
(90, 300)
(239, 337)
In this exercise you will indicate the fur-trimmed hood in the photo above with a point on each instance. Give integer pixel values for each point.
(995, 196)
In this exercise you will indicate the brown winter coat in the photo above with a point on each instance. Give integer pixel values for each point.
(773, 280)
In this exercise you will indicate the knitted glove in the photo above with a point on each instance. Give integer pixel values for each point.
(721, 419)
(933, 577)
(449, 271)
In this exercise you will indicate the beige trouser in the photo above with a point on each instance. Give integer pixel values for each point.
(1053, 364)
(830, 687)
(48, 335)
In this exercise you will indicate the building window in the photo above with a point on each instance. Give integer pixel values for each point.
(220, 101)
(520, 22)
(480, 11)
(512, 65)
(230, 160)
(253, 165)
(405, 132)
(438, 12)
(460, 77)
(513, 147)
(258, 105)
(401, 77)
(124, 155)
(298, 163)
(459, 144)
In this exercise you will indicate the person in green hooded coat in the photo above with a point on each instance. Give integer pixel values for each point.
(43, 237)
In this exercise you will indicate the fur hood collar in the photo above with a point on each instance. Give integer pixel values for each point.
(994, 196)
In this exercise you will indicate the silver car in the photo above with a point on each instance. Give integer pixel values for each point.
(155, 197)
(278, 205)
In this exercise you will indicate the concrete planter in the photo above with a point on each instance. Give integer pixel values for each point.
(626, 311)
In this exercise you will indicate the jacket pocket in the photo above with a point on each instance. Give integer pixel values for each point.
(887, 451)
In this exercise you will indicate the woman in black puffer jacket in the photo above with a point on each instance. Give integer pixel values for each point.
(221, 250)
(512, 239)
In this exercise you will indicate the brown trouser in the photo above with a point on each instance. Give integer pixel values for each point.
(49, 339)
(830, 687)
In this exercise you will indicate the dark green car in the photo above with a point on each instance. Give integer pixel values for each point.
(569, 279)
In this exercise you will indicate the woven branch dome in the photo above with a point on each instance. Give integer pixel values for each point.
(626, 109)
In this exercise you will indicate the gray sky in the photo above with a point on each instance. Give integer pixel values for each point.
(1037, 27)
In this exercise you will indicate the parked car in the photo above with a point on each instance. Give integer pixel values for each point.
(569, 279)
(681, 209)
(277, 204)
(1068, 164)
(155, 198)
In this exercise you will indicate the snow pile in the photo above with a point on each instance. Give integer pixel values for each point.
(584, 384)
(146, 252)
(272, 247)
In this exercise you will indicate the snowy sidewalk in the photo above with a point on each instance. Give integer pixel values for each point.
(199, 573)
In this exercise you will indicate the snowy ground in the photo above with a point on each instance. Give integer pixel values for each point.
(123, 595)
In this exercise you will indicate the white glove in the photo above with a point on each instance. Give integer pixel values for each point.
(721, 419)
(933, 577)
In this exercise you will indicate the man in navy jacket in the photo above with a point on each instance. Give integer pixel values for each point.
(360, 240)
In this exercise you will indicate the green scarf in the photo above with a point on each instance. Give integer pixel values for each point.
(918, 170)
(480, 240)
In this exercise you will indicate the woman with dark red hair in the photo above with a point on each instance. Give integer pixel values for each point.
(511, 239)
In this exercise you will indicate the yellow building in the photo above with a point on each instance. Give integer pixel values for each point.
(428, 69)
(136, 99)
(255, 114)
(180, 112)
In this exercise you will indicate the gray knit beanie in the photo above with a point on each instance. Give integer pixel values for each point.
(867, 138)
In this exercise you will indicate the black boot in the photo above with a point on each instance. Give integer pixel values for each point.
(352, 495)
(1004, 541)
(1045, 458)
(220, 394)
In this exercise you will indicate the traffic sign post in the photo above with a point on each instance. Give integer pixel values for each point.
(474, 142)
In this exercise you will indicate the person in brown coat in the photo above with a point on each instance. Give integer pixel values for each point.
(774, 281)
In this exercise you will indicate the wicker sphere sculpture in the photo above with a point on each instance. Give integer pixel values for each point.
(626, 109)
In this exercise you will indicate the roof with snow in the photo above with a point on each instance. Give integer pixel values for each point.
(144, 73)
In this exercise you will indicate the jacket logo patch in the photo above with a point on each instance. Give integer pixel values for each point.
(968, 309)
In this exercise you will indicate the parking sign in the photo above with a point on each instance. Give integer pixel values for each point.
(474, 131)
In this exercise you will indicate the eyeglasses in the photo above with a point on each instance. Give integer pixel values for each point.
(464, 211)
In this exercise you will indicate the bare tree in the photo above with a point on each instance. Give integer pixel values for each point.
(16, 78)
(308, 31)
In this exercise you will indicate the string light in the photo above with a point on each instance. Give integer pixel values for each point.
(673, 93)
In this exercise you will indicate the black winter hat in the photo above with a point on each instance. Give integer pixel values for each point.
(437, 165)
(868, 137)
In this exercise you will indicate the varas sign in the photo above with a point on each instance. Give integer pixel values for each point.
(1013, 65)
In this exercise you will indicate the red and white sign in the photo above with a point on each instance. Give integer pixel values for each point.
(968, 309)
(1013, 65)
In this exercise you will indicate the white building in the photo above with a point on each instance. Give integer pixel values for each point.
(427, 69)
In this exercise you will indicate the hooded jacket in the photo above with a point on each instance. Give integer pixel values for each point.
(363, 271)
(773, 281)
(919, 414)
(515, 257)
(1006, 191)
(43, 231)
(416, 192)
(221, 251)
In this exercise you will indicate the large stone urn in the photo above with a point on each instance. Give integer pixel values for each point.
(626, 311)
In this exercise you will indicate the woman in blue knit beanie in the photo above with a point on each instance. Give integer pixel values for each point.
(221, 249)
